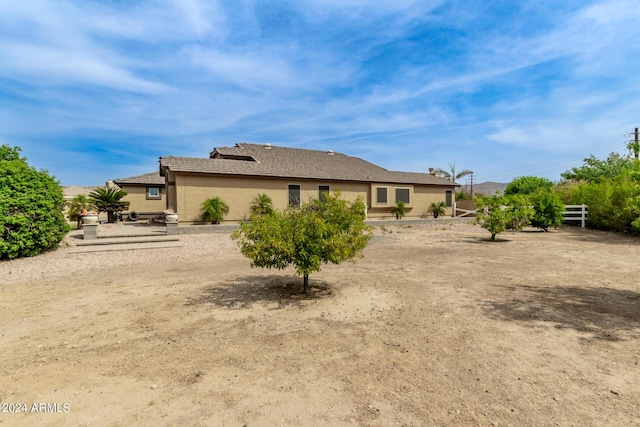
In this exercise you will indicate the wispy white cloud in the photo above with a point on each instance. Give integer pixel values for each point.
(431, 82)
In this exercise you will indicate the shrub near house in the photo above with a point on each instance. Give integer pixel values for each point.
(31, 207)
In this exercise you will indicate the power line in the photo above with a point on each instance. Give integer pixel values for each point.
(566, 160)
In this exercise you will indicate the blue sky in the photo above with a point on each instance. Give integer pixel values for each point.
(96, 90)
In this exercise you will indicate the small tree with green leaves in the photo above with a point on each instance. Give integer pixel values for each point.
(31, 207)
(399, 210)
(262, 205)
(499, 213)
(109, 200)
(548, 210)
(438, 208)
(306, 237)
(214, 210)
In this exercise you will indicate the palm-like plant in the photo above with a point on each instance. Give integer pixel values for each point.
(77, 205)
(262, 205)
(109, 200)
(214, 210)
(438, 208)
(451, 174)
(399, 209)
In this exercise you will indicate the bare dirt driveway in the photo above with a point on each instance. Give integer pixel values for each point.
(435, 326)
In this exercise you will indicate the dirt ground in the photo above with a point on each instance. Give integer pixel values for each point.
(435, 326)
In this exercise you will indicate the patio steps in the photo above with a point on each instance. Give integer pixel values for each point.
(106, 244)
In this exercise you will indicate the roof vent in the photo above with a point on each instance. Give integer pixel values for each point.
(330, 152)
(267, 146)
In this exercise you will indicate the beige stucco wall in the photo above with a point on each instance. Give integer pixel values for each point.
(137, 198)
(420, 198)
(238, 193)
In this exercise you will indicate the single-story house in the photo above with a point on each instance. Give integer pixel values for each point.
(145, 193)
(290, 176)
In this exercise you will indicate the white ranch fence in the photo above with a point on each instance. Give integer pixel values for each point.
(572, 213)
(576, 213)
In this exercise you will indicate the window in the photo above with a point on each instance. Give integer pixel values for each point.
(321, 190)
(381, 195)
(448, 197)
(153, 193)
(402, 194)
(294, 195)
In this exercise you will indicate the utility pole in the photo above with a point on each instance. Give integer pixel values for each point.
(472, 175)
(635, 152)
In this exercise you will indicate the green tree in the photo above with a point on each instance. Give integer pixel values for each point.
(306, 237)
(262, 205)
(451, 174)
(595, 170)
(77, 205)
(548, 210)
(399, 210)
(214, 210)
(526, 185)
(610, 201)
(634, 147)
(109, 200)
(463, 195)
(31, 207)
(499, 213)
(438, 208)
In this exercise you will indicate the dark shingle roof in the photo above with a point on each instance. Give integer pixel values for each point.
(283, 162)
(151, 178)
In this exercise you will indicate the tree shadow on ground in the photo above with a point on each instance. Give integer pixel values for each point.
(602, 312)
(600, 236)
(243, 292)
(486, 240)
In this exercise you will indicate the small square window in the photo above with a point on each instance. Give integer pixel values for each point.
(381, 195)
(153, 193)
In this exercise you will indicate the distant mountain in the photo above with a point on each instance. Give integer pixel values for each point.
(486, 188)
(73, 190)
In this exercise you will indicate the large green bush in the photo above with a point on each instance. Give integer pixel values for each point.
(31, 207)
(610, 201)
(526, 185)
(548, 210)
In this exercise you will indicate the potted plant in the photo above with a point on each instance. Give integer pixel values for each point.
(170, 215)
(399, 209)
(437, 209)
(89, 217)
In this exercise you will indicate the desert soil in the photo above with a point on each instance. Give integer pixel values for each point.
(435, 326)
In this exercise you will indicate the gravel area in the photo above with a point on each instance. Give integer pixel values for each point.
(61, 263)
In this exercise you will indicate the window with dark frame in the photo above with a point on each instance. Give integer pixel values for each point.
(402, 194)
(448, 197)
(294, 195)
(381, 195)
(321, 190)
